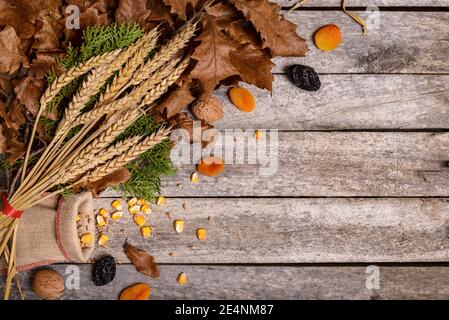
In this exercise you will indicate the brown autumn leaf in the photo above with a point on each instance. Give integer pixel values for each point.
(114, 179)
(10, 144)
(22, 14)
(179, 7)
(48, 32)
(11, 55)
(143, 262)
(3, 140)
(176, 101)
(278, 34)
(212, 55)
(144, 12)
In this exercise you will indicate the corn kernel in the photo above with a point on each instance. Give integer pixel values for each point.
(103, 212)
(78, 218)
(87, 239)
(179, 226)
(258, 134)
(139, 220)
(117, 205)
(146, 231)
(182, 278)
(103, 240)
(101, 222)
(201, 234)
(117, 215)
(134, 209)
(160, 201)
(195, 178)
(132, 202)
(145, 209)
(142, 202)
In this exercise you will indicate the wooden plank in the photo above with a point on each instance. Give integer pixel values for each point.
(330, 164)
(365, 3)
(391, 48)
(284, 230)
(346, 102)
(260, 282)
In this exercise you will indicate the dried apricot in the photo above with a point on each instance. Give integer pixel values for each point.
(211, 166)
(328, 37)
(243, 99)
(139, 291)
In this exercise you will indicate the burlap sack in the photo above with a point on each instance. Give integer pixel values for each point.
(48, 232)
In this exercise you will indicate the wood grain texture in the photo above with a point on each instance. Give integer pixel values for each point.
(401, 42)
(285, 230)
(260, 282)
(329, 164)
(346, 102)
(364, 3)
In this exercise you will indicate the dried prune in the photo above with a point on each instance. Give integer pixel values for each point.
(304, 77)
(104, 271)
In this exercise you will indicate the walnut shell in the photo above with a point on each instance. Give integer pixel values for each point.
(48, 284)
(208, 108)
(183, 121)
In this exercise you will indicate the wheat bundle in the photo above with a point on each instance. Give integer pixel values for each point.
(135, 82)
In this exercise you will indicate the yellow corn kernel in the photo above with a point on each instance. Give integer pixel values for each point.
(117, 205)
(182, 278)
(87, 239)
(145, 209)
(103, 240)
(179, 225)
(139, 220)
(160, 201)
(134, 209)
(101, 222)
(145, 231)
(78, 218)
(201, 234)
(258, 134)
(195, 178)
(132, 202)
(142, 202)
(117, 215)
(103, 212)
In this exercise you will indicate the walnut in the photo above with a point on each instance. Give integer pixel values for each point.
(48, 284)
(208, 108)
(183, 121)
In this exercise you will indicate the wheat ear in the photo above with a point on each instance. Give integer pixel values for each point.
(118, 162)
(165, 54)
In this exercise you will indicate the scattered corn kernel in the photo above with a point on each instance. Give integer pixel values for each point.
(258, 134)
(142, 202)
(195, 178)
(78, 218)
(146, 231)
(145, 209)
(134, 209)
(132, 202)
(201, 234)
(101, 222)
(117, 205)
(179, 226)
(139, 220)
(182, 278)
(87, 239)
(117, 215)
(103, 240)
(103, 212)
(160, 201)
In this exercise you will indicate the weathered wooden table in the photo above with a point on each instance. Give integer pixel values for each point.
(363, 178)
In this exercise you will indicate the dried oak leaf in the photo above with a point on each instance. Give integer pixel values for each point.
(143, 262)
(179, 7)
(176, 101)
(10, 144)
(117, 177)
(143, 12)
(12, 115)
(278, 34)
(48, 32)
(212, 55)
(22, 14)
(11, 55)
